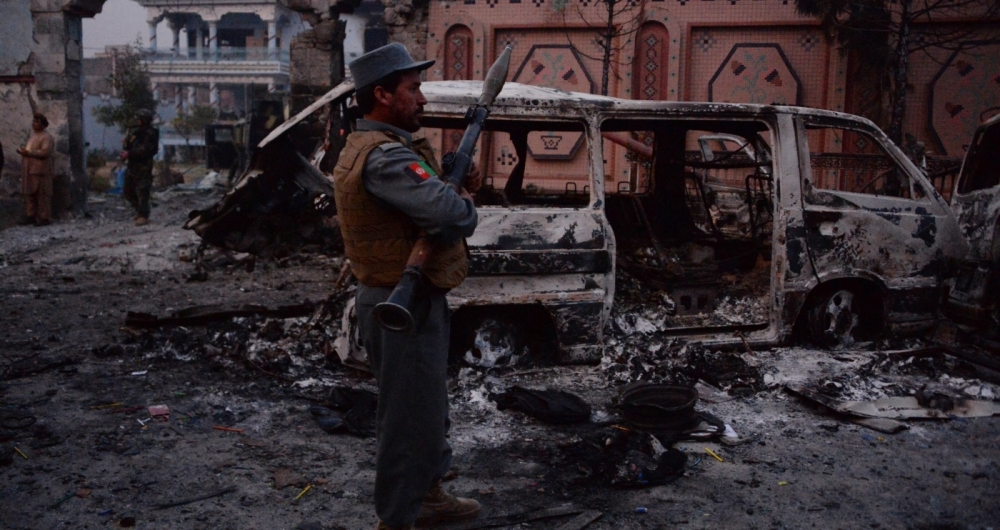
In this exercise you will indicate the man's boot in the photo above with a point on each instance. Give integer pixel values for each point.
(383, 526)
(440, 506)
(27, 220)
(142, 221)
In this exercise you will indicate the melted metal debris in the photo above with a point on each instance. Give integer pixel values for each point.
(289, 349)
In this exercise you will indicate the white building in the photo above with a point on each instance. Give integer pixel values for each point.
(221, 52)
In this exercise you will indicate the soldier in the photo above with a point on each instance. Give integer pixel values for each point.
(140, 146)
(388, 191)
(36, 173)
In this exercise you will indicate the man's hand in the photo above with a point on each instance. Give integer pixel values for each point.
(475, 179)
(22, 151)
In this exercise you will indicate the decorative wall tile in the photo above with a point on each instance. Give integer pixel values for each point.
(705, 41)
(650, 64)
(809, 41)
(963, 94)
(755, 73)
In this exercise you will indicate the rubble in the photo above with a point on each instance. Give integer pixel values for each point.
(882, 414)
(257, 376)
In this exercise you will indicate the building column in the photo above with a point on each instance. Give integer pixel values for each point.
(272, 39)
(176, 48)
(213, 95)
(152, 36)
(282, 30)
(191, 100)
(213, 41)
(155, 88)
(178, 100)
(198, 36)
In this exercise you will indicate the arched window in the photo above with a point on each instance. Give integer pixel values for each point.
(650, 72)
(457, 66)
(458, 53)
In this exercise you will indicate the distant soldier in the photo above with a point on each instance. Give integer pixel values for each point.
(36, 175)
(140, 146)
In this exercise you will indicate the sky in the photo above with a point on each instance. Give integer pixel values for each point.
(120, 22)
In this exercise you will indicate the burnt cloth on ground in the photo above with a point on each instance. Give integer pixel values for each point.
(552, 406)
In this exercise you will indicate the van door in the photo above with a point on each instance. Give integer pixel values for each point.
(973, 298)
(877, 234)
(691, 204)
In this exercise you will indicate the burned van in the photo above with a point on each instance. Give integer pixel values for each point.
(974, 297)
(749, 222)
(744, 223)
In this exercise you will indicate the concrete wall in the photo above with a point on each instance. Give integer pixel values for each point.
(317, 55)
(407, 22)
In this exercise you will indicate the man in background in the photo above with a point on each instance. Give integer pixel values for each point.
(140, 146)
(36, 173)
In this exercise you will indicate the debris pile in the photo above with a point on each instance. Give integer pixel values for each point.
(496, 342)
(615, 458)
(256, 337)
(642, 358)
(878, 374)
(655, 299)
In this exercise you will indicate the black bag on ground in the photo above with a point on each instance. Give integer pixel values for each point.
(357, 411)
(552, 406)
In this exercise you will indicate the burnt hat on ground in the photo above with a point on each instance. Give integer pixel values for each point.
(380, 62)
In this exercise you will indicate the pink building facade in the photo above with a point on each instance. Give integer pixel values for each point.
(750, 51)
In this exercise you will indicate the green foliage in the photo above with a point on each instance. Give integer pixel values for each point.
(96, 159)
(191, 123)
(131, 85)
(98, 182)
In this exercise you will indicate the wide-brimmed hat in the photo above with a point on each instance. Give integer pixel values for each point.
(383, 61)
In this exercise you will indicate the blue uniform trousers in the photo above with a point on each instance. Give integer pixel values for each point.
(412, 417)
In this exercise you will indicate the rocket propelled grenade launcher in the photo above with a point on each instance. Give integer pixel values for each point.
(395, 314)
(476, 117)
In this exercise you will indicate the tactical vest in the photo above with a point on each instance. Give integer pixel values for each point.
(378, 240)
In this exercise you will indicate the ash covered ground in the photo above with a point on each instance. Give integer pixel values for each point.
(77, 385)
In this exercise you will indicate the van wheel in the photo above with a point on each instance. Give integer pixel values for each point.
(834, 319)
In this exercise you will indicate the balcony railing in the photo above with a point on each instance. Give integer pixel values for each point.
(224, 54)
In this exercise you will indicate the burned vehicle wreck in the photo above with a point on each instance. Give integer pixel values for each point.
(974, 297)
(743, 224)
(280, 202)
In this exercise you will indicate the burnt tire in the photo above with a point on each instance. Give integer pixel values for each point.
(835, 317)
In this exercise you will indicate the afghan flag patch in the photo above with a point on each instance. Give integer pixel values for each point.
(419, 171)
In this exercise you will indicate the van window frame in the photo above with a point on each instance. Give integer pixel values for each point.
(809, 191)
(501, 122)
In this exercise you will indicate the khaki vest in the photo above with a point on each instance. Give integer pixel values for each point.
(378, 240)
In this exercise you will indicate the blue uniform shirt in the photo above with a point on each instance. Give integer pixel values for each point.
(398, 178)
